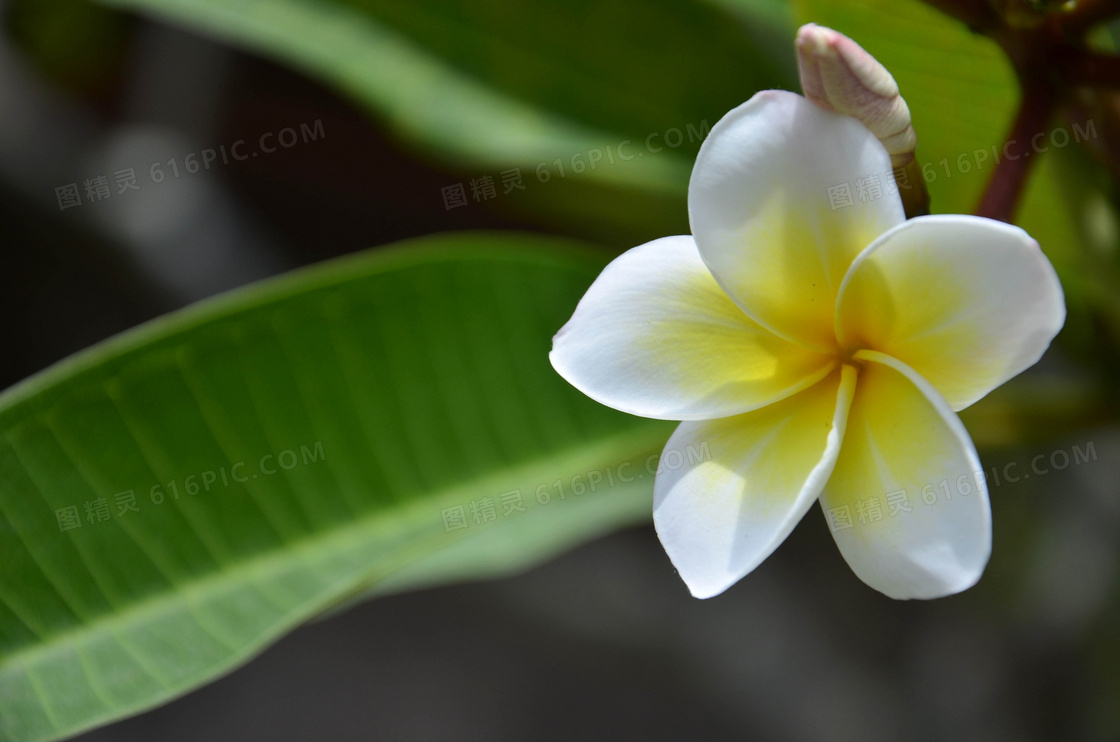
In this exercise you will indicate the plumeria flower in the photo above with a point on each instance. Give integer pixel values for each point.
(820, 353)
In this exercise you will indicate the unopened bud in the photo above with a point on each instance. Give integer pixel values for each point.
(837, 74)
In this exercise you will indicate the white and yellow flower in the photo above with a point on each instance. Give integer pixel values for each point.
(819, 351)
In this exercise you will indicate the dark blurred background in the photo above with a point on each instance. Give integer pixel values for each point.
(601, 644)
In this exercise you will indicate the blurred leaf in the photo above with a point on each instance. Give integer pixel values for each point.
(76, 43)
(1034, 408)
(362, 398)
(773, 15)
(769, 26)
(499, 84)
(960, 88)
(963, 97)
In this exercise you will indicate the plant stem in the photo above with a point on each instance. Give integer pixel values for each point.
(1001, 196)
(1094, 71)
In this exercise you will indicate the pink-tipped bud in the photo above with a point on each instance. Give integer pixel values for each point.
(837, 74)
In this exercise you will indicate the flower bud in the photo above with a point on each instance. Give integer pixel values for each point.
(838, 75)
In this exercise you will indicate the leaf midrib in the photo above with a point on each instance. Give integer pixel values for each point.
(411, 513)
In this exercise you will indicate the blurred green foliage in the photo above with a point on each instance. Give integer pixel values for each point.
(79, 45)
(387, 418)
(539, 86)
(472, 85)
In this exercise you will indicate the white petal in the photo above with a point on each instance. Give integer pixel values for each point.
(905, 445)
(764, 203)
(656, 336)
(729, 491)
(966, 302)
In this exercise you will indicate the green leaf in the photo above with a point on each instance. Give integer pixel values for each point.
(963, 97)
(355, 401)
(960, 88)
(504, 84)
(602, 106)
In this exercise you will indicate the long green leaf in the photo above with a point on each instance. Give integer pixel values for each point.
(963, 96)
(357, 402)
(514, 83)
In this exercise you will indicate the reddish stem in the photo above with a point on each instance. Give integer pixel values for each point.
(1001, 196)
(1094, 71)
